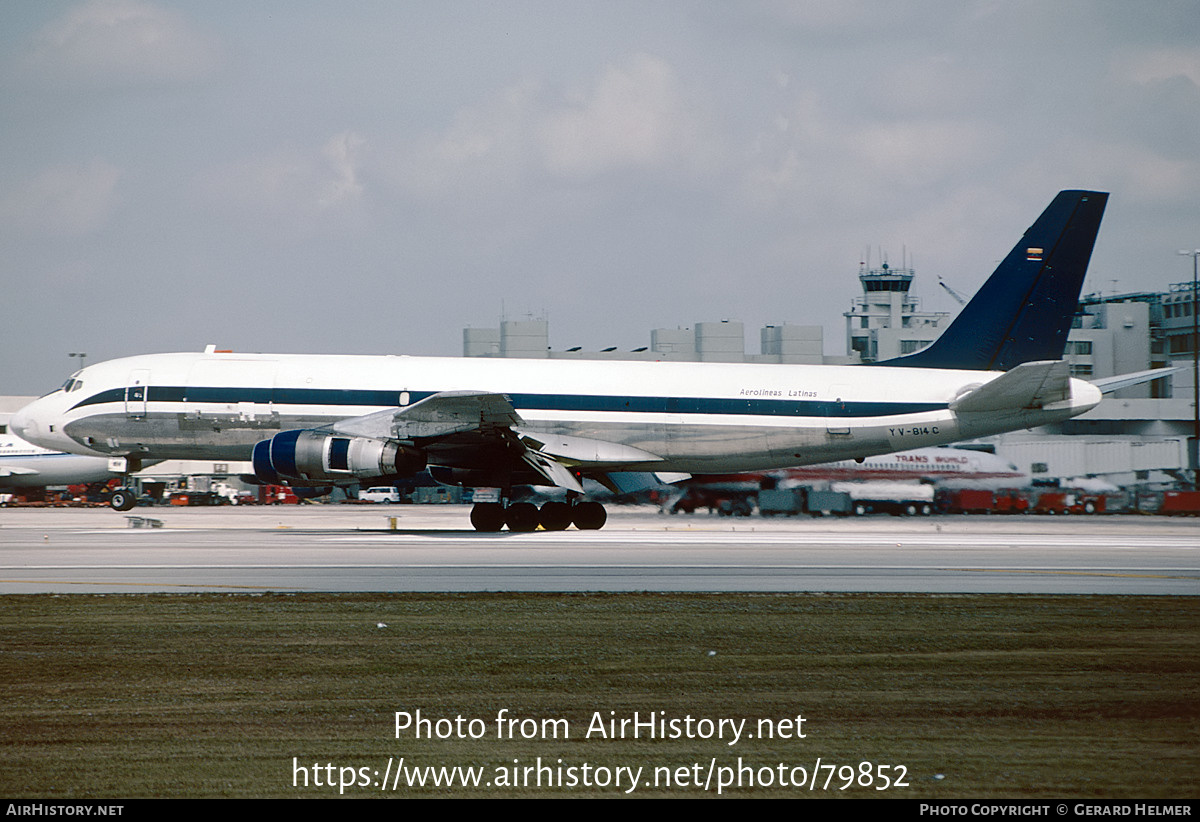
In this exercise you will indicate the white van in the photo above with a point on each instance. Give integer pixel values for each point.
(384, 493)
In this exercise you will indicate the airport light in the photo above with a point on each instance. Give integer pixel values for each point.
(1195, 449)
(82, 355)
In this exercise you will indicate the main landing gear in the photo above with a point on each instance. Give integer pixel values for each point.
(525, 516)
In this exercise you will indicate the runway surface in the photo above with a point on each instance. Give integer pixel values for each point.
(356, 548)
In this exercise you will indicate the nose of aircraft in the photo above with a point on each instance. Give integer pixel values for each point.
(38, 423)
(22, 424)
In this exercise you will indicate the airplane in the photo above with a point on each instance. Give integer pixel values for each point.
(315, 421)
(940, 465)
(928, 464)
(23, 465)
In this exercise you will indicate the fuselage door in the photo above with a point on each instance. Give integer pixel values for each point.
(837, 421)
(136, 393)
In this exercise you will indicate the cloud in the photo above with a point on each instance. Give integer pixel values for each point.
(1163, 64)
(486, 146)
(119, 43)
(919, 152)
(342, 184)
(292, 183)
(62, 201)
(634, 117)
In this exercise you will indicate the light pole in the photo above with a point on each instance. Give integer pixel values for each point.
(1195, 449)
(82, 355)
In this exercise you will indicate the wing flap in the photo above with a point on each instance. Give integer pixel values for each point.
(553, 471)
(632, 482)
(584, 451)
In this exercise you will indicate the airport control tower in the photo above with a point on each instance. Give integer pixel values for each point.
(885, 321)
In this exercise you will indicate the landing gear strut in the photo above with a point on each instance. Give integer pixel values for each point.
(124, 498)
(525, 516)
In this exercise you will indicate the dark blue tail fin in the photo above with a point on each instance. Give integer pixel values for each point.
(1024, 311)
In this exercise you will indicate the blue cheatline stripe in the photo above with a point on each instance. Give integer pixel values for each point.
(528, 402)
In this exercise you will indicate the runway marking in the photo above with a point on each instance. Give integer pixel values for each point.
(203, 586)
(1063, 572)
(767, 538)
(1165, 573)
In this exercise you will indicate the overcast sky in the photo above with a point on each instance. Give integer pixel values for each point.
(371, 177)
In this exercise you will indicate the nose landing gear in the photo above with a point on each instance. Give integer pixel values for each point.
(124, 498)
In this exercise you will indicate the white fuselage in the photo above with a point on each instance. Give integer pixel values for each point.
(23, 465)
(697, 417)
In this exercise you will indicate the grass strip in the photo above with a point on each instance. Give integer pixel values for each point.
(212, 695)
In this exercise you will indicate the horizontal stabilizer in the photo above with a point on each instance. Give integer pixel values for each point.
(1030, 385)
(1109, 384)
(14, 471)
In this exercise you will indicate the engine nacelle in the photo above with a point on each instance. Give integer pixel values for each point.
(312, 457)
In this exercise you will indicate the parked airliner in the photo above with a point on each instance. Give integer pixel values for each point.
(23, 465)
(920, 464)
(322, 420)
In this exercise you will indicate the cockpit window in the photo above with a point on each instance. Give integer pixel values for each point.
(72, 384)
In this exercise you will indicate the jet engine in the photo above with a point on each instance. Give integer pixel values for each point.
(310, 457)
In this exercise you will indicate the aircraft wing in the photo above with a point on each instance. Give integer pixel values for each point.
(1109, 384)
(15, 471)
(1029, 385)
(479, 418)
(439, 415)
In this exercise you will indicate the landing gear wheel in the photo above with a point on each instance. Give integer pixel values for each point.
(555, 516)
(522, 517)
(122, 500)
(487, 516)
(589, 516)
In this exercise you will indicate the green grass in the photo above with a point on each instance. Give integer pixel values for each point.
(978, 696)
